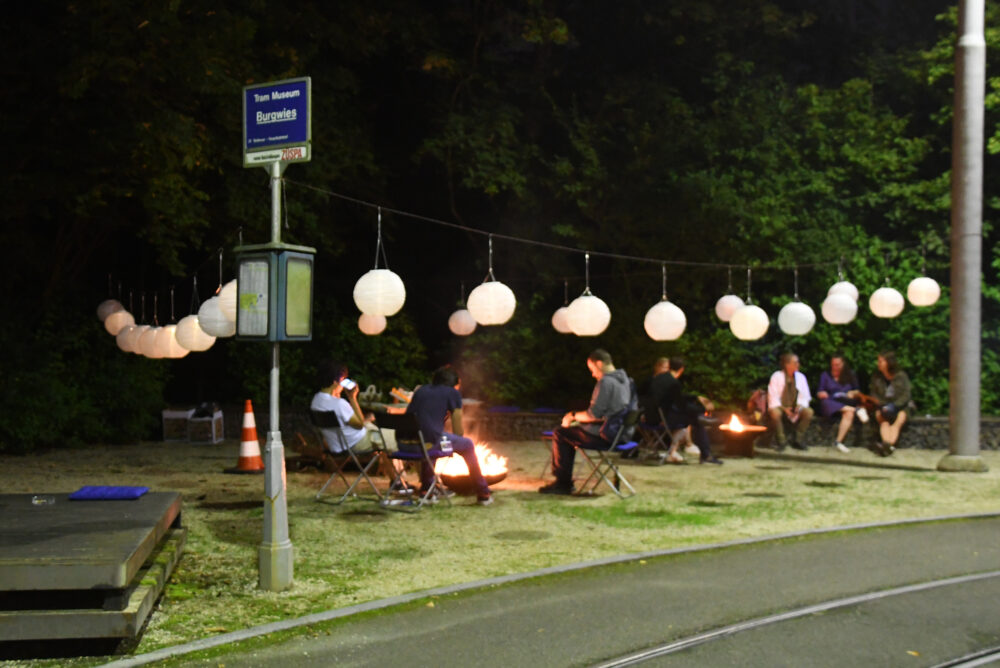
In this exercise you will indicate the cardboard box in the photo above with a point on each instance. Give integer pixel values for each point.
(206, 429)
(175, 423)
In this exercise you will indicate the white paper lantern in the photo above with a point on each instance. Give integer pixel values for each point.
(147, 343)
(588, 315)
(371, 324)
(749, 323)
(107, 307)
(116, 320)
(379, 292)
(845, 288)
(923, 291)
(122, 339)
(665, 322)
(796, 318)
(461, 323)
(213, 322)
(839, 308)
(726, 306)
(134, 337)
(191, 336)
(491, 303)
(166, 343)
(886, 303)
(227, 300)
(560, 320)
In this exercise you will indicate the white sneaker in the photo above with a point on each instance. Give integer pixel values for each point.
(842, 448)
(862, 415)
(692, 449)
(675, 458)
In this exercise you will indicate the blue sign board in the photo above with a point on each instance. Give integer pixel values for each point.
(276, 122)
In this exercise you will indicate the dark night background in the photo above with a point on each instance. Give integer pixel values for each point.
(769, 133)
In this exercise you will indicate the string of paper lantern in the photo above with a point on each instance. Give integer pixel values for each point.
(886, 302)
(380, 291)
(560, 319)
(749, 322)
(371, 324)
(796, 318)
(491, 302)
(588, 315)
(729, 302)
(664, 321)
(841, 304)
(923, 290)
(461, 322)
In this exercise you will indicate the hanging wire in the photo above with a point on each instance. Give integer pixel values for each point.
(749, 299)
(729, 290)
(796, 284)
(195, 299)
(173, 318)
(461, 302)
(887, 254)
(110, 292)
(379, 246)
(219, 289)
(565, 292)
(143, 318)
(663, 269)
(586, 259)
(489, 274)
(840, 268)
(130, 309)
(156, 308)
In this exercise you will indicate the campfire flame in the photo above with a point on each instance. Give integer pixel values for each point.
(735, 424)
(490, 463)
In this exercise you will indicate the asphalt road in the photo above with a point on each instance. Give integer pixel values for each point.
(593, 616)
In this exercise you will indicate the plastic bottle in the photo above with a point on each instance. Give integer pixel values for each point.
(445, 445)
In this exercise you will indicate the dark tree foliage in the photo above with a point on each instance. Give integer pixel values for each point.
(763, 133)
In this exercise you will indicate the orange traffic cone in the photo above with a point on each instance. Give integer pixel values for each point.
(249, 461)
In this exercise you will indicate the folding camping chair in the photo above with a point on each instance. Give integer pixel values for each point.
(601, 464)
(654, 438)
(412, 449)
(330, 421)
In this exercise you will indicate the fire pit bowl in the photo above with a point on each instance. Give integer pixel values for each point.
(739, 437)
(463, 484)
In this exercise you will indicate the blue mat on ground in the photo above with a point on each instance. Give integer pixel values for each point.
(107, 493)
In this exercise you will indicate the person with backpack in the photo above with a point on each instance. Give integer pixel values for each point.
(614, 394)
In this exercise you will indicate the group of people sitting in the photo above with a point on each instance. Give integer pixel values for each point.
(839, 395)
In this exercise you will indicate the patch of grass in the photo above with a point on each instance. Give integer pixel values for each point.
(355, 553)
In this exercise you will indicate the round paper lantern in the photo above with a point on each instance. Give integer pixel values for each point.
(491, 303)
(665, 321)
(588, 315)
(166, 343)
(560, 320)
(461, 323)
(107, 307)
(749, 323)
(123, 338)
(147, 343)
(923, 291)
(726, 306)
(839, 308)
(843, 287)
(379, 292)
(371, 324)
(213, 322)
(796, 318)
(191, 336)
(227, 300)
(886, 303)
(134, 338)
(116, 320)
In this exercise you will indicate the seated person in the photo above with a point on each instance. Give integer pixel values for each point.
(650, 407)
(431, 405)
(788, 400)
(683, 411)
(358, 430)
(838, 394)
(890, 387)
(612, 394)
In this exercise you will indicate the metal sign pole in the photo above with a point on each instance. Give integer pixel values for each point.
(275, 551)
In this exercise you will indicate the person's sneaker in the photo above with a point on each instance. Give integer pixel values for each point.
(400, 487)
(799, 446)
(692, 449)
(675, 458)
(862, 415)
(556, 488)
(887, 449)
(485, 500)
(711, 460)
(842, 448)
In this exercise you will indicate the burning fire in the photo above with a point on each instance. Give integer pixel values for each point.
(735, 424)
(490, 463)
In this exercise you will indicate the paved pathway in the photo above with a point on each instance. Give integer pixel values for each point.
(592, 616)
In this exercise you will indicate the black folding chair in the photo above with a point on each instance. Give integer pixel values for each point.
(654, 437)
(412, 449)
(329, 421)
(602, 465)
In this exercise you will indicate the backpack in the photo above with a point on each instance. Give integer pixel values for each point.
(757, 404)
(613, 423)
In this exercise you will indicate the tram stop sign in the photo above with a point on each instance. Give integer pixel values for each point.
(277, 122)
(274, 292)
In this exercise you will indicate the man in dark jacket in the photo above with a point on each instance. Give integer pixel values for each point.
(612, 394)
(682, 410)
